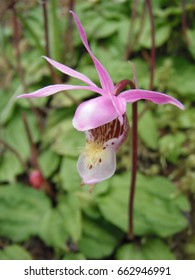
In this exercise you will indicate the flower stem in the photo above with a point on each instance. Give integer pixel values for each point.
(184, 25)
(131, 29)
(68, 37)
(153, 50)
(55, 78)
(118, 88)
(133, 169)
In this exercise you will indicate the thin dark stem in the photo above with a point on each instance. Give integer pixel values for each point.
(6, 7)
(44, 7)
(141, 26)
(153, 50)
(68, 38)
(121, 85)
(184, 25)
(183, 16)
(131, 27)
(15, 152)
(118, 88)
(54, 77)
(133, 169)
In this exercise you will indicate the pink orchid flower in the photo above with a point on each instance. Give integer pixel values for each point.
(103, 119)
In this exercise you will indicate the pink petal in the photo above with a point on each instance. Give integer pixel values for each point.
(92, 173)
(67, 70)
(104, 77)
(156, 97)
(49, 90)
(96, 112)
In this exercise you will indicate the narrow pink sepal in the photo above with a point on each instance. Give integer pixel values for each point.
(49, 90)
(96, 112)
(67, 70)
(156, 97)
(105, 79)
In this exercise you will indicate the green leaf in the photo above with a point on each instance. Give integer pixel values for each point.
(19, 140)
(52, 230)
(106, 29)
(54, 30)
(158, 205)
(149, 249)
(69, 143)
(171, 146)
(191, 44)
(49, 162)
(74, 256)
(69, 177)
(7, 106)
(99, 240)
(64, 139)
(32, 23)
(186, 119)
(147, 129)
(10, 167)
(21, 210)
(14, 252)
(162, 34)
(183, 78)
(69, 209)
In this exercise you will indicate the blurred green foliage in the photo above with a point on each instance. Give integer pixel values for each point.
(76, 224)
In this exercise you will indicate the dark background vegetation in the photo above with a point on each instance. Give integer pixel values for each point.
(44, 213)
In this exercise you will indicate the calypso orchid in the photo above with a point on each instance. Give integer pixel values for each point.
(103, 119)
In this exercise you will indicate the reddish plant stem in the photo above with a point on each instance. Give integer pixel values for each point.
(68, 38)
(6, 7)
(131, 27)
(133, 169)
(153, 50)
(143, 15)
(183, 3)
(15, 152)
(184, 25)
(54, 77)
(34, 152)
(121, 85)
(134, 157)
(45, 18)
(118, 88)
(152, 59)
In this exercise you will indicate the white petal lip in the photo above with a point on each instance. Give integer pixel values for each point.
(52, 89)
(101, 171)
(96, 112)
